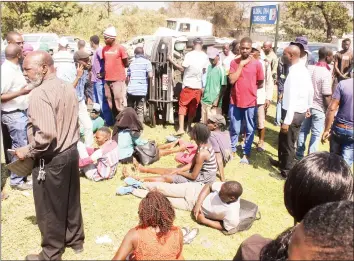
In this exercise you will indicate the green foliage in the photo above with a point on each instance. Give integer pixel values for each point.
(319, 21)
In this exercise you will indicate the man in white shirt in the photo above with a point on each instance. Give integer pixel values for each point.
(321, 76)
(215, 205)
(14, 103)
(64, 63)
(297, 100)
(194, 66)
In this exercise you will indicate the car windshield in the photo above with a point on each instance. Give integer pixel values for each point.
(70, 39)
(31, 38)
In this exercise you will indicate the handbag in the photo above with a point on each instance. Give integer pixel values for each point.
(147, 154)
(248, 214)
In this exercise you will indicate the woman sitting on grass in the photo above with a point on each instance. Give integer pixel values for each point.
(202, 169)
(126, 132)
(155, 238)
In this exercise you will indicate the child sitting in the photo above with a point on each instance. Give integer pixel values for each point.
(202, 169)
(216, 205)
(99, 164)
(97, 121)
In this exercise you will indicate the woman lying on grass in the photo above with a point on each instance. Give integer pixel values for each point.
(202, 169)
(155, 238)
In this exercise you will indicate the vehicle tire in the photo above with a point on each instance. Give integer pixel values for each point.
(207, 40)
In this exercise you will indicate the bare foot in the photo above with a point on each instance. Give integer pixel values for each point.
(179, 133)
(4, 196)
(125, 172)
(136, 164)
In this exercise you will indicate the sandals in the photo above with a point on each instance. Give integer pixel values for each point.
(171, 138)
(190, 236)
(133, 182)
(121, 191)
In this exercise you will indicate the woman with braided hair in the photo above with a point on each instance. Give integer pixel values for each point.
(155, 238)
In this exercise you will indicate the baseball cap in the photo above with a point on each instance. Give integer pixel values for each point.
(63, 42)
(302, 40)
(217, 118)
(256, 47)
(110, 32)
(81, 54)
(212, 52)
(96, 108)
(197, 41)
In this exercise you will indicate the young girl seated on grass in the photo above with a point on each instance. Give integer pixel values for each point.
(155, 238)
(202, 169)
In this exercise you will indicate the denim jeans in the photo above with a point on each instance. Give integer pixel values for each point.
(16, 123)
(100, 98)
(342, 143)
(237, 115)
(315, 124)
(277, 120)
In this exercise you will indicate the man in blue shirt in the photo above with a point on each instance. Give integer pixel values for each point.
(137, 80)
(83, 59)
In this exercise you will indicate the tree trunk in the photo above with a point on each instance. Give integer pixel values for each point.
(329, 31)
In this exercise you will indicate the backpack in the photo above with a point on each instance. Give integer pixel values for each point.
(248, 214)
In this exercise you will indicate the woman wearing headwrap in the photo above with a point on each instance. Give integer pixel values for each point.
(126, 132)
(27, 48)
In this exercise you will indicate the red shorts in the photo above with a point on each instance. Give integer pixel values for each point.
(189, 99)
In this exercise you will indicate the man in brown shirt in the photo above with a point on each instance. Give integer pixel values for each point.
(53, 132)
(343, 62)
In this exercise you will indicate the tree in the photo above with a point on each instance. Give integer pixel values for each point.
(111, 7)
(319, 21)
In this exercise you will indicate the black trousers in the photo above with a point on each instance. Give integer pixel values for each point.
(287, 141)
(137, 103)
(57, 203)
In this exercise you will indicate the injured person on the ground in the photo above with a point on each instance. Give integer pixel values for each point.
(216, 205)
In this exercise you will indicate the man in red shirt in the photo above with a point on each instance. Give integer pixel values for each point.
(115, 61)
(246, 75)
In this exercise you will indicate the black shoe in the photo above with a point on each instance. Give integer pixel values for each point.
(32, 257)
(274, 162)
(284, 173)
(23, 186)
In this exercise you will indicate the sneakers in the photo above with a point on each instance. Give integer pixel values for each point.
(22, 186)
(190, 236)
(244, 160)
(133, 182)
(121, 191)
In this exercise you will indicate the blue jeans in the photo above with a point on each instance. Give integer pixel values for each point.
(16, 123)
(237, 115)
(315, 124)
(277, 120)
(342, 143)
(100, 98)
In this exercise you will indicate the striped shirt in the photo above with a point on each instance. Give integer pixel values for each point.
(138, 71)
(322, 85)
(209, 167)
(65, 66)
(53, 122)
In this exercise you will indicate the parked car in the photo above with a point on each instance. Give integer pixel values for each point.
(313, 48)
(47, 38)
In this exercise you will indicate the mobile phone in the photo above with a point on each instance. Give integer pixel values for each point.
(11, 151)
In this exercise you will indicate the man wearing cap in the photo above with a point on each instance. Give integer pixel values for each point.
(115, 61)
(305, 55)
(83, 59)
(246, 74)
(97, 80)
(215, 86)
(64, 63)
(194, 66)
(220, 141)
(97, 121)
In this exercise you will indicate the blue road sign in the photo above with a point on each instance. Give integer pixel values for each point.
(264, 14)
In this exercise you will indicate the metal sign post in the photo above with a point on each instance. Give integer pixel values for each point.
(267, 14)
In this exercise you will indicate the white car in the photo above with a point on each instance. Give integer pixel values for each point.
(42, 38)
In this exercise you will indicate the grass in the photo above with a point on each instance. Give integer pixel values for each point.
(104, 213)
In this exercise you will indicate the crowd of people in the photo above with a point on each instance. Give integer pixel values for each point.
(83, 113)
